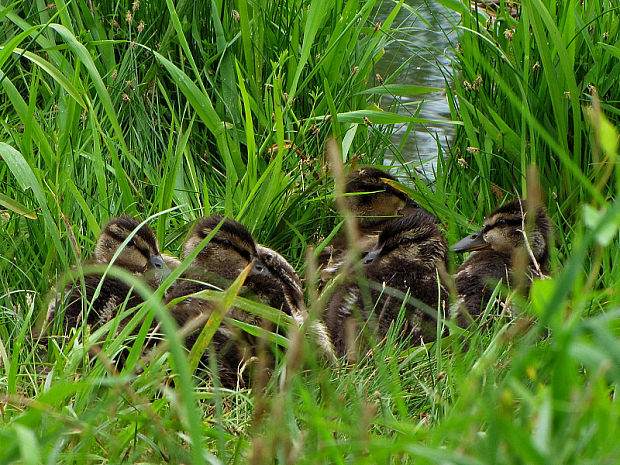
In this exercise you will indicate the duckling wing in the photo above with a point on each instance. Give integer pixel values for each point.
(96, 311)
(424, 297)
(477, 277)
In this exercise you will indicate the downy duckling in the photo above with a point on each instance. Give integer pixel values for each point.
(283, 288)
(290, 296)
(409, 256)
(494, 248)
(140, 256)
(222, 259)
(375, 201)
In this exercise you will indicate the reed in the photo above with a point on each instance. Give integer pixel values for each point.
(173, 110)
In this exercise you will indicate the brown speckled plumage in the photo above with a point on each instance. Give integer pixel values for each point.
(375, 202)
(222, 259)
(140, 256)
(498, 241)
(286, 293)
(271, 281)
(410, 254)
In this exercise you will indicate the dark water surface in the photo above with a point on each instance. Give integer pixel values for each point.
(426, 36)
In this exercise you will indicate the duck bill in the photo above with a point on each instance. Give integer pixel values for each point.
(157, 261)
(470, 243)
(409, 207)
(259, 269)
(371, 256)
(159, 265)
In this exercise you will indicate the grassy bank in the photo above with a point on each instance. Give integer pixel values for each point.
(189, 108)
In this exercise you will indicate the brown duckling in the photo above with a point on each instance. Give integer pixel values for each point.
(290, 297)
(284, 290)
(410, 253)
(222, 259)
(374, 200)
(140, 256)
(494, 248)
(227, 254)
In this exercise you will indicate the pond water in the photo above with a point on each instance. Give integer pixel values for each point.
(424, 42)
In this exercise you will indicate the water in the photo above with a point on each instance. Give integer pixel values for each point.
(425, 39)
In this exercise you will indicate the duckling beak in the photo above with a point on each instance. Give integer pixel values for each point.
(410, 207)
(470, 243)
(158, 263)
(371, 256)
(259, 269)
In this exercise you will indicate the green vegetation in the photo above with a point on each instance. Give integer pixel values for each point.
(195, 107)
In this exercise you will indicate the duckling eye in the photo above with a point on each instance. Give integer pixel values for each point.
(404, 241)
(226, 242)
(130, 243)
(501, 222)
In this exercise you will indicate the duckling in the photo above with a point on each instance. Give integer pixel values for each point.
(226, 255)
(374, 201)
(286, 293)
(494, 249)
(410, 254)
(222, 259)
(283, 289)
(140, 256)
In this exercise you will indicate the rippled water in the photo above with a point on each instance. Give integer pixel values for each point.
(424, 42)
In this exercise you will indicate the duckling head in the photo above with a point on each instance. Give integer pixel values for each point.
(229, 251)
(503, 232)
(292, 294)
(413, 239)
(282, 271)
(377, 197)
(140, 254)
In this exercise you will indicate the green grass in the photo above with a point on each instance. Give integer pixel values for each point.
(226, 107)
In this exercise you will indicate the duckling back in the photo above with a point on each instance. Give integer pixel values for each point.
(286, 293)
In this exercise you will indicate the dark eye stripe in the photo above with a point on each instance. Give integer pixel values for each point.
(145, 252)
(244, 253)
(514, 222)
(423, 238)
(222, 242)
(508, 222)
(148, 237)
(386, 249)
(117, 237)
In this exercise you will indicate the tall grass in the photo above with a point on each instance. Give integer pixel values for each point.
(521, 89)
(226, 106)
(533, 90)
